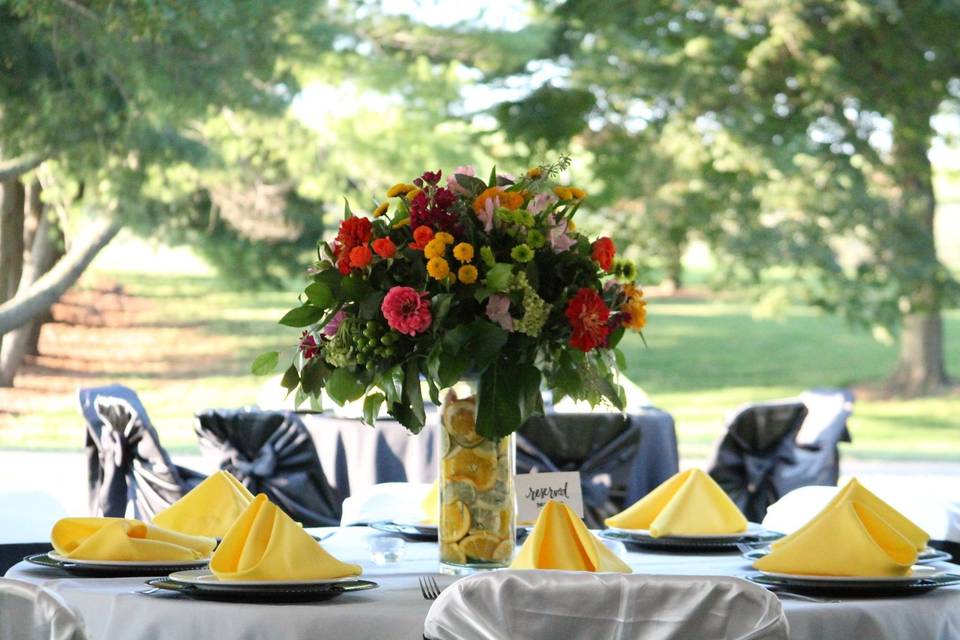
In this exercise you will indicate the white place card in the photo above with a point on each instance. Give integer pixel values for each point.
(534, 490)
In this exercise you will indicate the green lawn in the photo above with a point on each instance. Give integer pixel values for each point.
(704, 358)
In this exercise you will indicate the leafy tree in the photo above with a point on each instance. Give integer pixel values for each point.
(790, 134)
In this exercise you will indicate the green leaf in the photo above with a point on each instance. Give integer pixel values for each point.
(498, 406)
(621, 359)
(313, 375)
(265, 363)
(369, 308)
(347, 213)
(371, 408)
(470, 183)
(486, 342)
(615, 336)
(406, 417)
(493, 177)
(344, 386)
(531, 401)
(412, 392)
(440, 307)
(320, 295)
(302, 316)
(355, 287)
(499, 277)
(290, 379)
(481, 293)
(391, 382)
(610, 391)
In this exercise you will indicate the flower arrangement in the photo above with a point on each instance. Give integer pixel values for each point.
(462, 277)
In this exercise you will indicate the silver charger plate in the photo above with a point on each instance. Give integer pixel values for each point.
(206, 579)
(138, 564)
(856, 588)
(918, 572)
(755, 535)
(927, 556)
(113, 570)
(262, 594)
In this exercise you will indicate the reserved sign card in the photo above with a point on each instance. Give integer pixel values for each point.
(535, 489)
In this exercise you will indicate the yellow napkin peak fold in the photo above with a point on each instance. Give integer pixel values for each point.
(266, 544)
(688, 503)
(431, 504)
(560, 540)
(122, 539)
(852, 539)
(209, 508)
(856, 492)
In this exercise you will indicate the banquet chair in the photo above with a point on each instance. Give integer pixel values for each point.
(271, 452)
(603, 447)
(31, 612)
(543, 605)
(770, 449)
(128, 469)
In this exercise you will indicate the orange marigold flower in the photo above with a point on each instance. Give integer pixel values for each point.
(384, 247)
(563, 193)
(578, 193)
(634, 313)
(413, 193)
(360, 256)
(421, 236)
(534, 172)
(502, 198)
(467, 274)
(463, 252)
(399, 189)
(444, 237)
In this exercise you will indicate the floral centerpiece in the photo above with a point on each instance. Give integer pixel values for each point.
(462, 278)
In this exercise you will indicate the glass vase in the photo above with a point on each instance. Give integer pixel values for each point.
(477, 501)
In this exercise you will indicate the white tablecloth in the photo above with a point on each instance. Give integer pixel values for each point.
(112, 608)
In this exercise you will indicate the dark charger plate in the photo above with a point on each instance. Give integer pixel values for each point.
(691, 545)
(264, 594)
(109, 571)
(855, 589)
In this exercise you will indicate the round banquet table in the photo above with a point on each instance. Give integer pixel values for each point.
(112, 608)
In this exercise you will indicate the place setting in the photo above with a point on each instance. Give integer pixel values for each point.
(688, 513)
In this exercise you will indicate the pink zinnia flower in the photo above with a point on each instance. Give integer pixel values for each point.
(407, 310)
(498, 310)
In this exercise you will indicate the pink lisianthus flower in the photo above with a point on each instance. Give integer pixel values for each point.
(498, 310)
(453, 185)
(331, 327)
(485, 215)
(560, 241)
(407, 310)
(540, 202)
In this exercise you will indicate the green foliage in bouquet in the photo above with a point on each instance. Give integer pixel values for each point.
(460, 279)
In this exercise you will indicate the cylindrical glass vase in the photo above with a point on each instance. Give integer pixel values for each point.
(477, 502)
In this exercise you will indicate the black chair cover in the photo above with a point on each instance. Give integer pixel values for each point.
(125, 461)
(758, 446)
(11, 554)
(603, 447)
(271, 452)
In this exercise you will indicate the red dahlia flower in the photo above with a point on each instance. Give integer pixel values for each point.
(588, 316)
(360, 256)
(384, 247)
(603, 251)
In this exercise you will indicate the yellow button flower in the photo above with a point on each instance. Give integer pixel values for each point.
(381, 209)
(463, 252)
(578, 193)
(435, 248)
(563, 193)
(413, 193)
(571, 226)
(534, 173)
(399, 189)
(467, 274)
(438, 268)
(444, 236)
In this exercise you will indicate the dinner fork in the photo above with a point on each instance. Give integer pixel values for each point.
(429, 588)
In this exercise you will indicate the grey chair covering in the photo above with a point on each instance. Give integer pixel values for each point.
(11, 554)
(125, 461)
(759, 458)
(271, 452)
(603, 447)
(355, 456)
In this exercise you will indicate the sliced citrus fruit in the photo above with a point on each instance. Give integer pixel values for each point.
(484, 520)
(461, 490)
(504, 530)
(473, 466)
(504, 551)
(452, 553)
(460, 420)
(454, 521)
(480, 546)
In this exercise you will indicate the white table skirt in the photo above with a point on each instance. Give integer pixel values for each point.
(113, 610)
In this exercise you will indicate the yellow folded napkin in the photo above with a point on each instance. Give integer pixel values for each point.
(560, 540)
(266, 544)
(431, 504)
(122, 539)
(209, 508)
(689, 503)
(851, 539)
(854, 491)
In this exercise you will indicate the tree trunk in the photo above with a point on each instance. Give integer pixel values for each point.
(19, 340)
(920, 369)
(11, 238)
(36, 300)
(674, 269)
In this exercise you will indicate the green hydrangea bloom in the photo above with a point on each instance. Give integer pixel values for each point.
(535, 309)
(340, 351)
